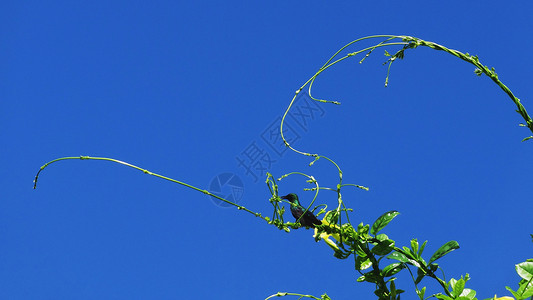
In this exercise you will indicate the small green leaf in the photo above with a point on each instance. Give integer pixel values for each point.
(452, 283)
(393, 289)
(392, 269)
(403, 258)
(421, 293)
(525, 270)
(422, 248)
(362, 263)
(443, 250)
(383, 220)
(359, 249)
(381, 237)
(383, 248)
(414, 246)
(408, 253)
(331, 217)
(398, 256)
(362, 229)
(458, 287)
(469, 294)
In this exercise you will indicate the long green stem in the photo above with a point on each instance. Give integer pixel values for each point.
(481, 69)
(407, 42)
(240, 207)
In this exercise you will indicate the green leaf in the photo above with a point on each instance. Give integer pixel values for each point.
(433, 267)
(525, 270)
(411, 258)
(398, 256)
(452, 282)
(414, 246)
(420, 275)
(422, 248)
(393, 289)
(515, 294)
(392, 269)
(421, 293)
(331, 216)
(359, 249)
(394, 293)
(458, 287)
(525, 288)
(362, 229)
(382, 237)
(469, 294)
(443, 250)
(383, 220)
(362, 263)
(528, 292)
(408, 252)
(383, 248)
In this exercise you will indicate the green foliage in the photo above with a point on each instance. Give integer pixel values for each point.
(525, 286)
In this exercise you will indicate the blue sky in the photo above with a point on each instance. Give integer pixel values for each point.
(184, 88)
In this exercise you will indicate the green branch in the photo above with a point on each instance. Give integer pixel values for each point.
(240, 207)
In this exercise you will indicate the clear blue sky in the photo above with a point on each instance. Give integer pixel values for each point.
(183, 88)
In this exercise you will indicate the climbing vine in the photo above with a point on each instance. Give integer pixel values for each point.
(377, 257)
